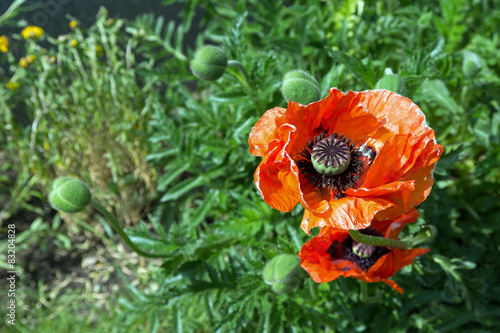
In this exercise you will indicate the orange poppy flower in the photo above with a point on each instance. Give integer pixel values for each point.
(334, 253)
(347, 158)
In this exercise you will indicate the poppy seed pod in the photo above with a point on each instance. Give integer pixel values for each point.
(209, 63)
(282, 273)
(300, 87)
(392, 82)
(69, 195)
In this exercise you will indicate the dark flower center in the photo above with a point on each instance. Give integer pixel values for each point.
(334, 163)
(362, 255)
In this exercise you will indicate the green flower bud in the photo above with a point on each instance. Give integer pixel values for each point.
(209, 63)
(393, 83)
(471, 64)
(300, 87)
(283, 273)
(69, 195)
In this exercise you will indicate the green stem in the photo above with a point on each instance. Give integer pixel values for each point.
(426, 234)
(377, 241)
(243, 70)
(247, 83)
(363, 294)
(111, 219)
(313, 289)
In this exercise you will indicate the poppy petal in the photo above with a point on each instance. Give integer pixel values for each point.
(390, 228)
(265, 131)
(346, 213)
(399, 113)
(276, 177)
(346, 108)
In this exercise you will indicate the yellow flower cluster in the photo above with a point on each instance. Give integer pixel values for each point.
(32, 32)
(25, 62)
(4, 44)
(74, 43)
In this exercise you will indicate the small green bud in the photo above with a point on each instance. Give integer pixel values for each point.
(471, 64)
(209, 63)
(282, 273)
(393, 83)
(299, 86)
(69, 195)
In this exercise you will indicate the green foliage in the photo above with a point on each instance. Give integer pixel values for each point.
(170, 153)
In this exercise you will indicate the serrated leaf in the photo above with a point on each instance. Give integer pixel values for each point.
(365, 72)
(437, 92)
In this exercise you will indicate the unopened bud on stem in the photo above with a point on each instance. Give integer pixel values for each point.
(209, 63)
(299, 86)
(69, 195)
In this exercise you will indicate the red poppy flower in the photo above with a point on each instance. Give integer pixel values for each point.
(334, 253)
(347, 158)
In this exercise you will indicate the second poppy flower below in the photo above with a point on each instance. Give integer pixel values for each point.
(333, 253)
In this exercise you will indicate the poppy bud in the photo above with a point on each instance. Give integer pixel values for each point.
(282, 273)
(69, 195)
(209, 63)
(299, 86)
(392, 82)
(471, 64)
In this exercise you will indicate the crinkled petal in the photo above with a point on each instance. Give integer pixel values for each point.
(400, 114)
(265, 131)
(346, 115)
(276, 179)
(391, 228)
(396, 190)
(403, 159)
(346, 213)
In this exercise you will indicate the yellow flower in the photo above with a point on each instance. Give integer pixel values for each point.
(46, 145)
(25, 62)
(73, 24)
(52, 59)
(4, 44)
(74, 43)
(12, 85)
(32, 31)
(98, 50)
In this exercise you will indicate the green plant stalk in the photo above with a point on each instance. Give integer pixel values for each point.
(246, 82)
(377, 241)
(111, 219)
(363, 294)
(313, 289)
